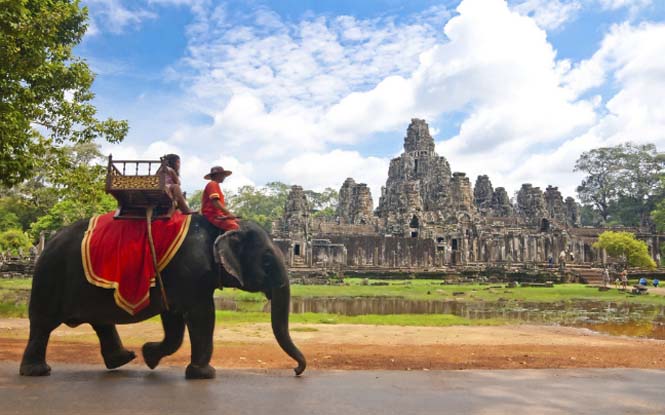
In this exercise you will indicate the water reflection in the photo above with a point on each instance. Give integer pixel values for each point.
(641, 320)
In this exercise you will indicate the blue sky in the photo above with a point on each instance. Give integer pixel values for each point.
(312, 92)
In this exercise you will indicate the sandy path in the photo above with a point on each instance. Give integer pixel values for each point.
(369, 347)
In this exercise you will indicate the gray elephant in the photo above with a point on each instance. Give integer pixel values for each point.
(61, 294)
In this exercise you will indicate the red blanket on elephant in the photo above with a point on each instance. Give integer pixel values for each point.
(116, 255)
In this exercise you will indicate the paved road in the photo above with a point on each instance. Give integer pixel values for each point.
(83, 389)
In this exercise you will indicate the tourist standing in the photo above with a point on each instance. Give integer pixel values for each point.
(624, 279)
(606, 277)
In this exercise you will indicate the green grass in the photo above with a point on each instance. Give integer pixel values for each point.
(11, 283)
(433, 290)
(434, 320)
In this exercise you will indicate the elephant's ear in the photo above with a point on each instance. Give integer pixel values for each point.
(227, 247)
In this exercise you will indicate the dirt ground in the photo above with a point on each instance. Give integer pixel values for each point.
(367, 347)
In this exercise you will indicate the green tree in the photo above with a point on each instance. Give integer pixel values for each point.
(624, 246)
(263, 205)
(45, 88)
(194, 200)
(323, 204)
(14, 239)
(623, 182)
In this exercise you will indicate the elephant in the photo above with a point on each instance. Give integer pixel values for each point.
(61, 294)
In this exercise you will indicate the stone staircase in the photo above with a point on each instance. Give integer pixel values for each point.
(298, 262)
(587, 275)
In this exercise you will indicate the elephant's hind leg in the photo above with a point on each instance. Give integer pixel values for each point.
(201, 325)
(174, 330)
(34, 356)
(113, 352)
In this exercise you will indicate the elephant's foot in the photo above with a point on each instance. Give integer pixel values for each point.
(200, 372)
(118, 358)
(152, 354)
(35, 369)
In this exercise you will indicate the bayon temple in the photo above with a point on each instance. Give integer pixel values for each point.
(429, 217)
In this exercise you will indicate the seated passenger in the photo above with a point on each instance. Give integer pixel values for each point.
(173, 183)
(213, 206)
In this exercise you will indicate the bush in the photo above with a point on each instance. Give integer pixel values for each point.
(14, 239)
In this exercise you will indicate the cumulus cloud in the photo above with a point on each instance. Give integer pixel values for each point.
(283, 97)
(320, 170)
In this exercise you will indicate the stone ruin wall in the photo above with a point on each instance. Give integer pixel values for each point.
(429, 217)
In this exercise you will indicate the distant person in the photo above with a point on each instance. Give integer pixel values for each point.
(655, 282)
(173, 183)
(643, 281)
(550, 262)
(624, 279)
(562, 259)
(606, 277)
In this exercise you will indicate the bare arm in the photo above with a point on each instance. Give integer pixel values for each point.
(224, 210)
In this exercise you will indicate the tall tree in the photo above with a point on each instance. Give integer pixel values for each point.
(323, 204)
(45, 88)
(262, 205)
(623, 182)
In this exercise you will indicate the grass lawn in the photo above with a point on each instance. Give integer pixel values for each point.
(434, 290)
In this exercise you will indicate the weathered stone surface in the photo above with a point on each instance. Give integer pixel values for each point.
(501, 205)
(418, 180)
(531, 204)
(461, 193)
(482, 194)
(554, 204)
(355, 203)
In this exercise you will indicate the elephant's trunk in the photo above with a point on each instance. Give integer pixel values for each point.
(281, 298)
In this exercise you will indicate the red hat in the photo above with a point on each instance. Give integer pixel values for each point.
(217, 170)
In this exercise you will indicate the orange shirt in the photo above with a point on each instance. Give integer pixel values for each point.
(211, 192)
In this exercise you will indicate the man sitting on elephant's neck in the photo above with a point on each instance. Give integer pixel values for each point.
(213, 206)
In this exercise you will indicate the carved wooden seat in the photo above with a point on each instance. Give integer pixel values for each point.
(138, 185)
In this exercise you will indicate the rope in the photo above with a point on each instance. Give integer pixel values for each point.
(148, 218)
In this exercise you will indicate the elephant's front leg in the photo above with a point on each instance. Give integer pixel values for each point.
(201, 325)
(174, 330)
(113, 352)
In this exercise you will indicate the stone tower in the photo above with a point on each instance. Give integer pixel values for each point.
(482, 194)
(355, 203)
(554, 204)
(501, 205)
(418, 180)
(531, 204)
(461, 193)
(296, 210)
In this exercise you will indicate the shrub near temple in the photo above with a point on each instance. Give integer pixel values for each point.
(624, 246)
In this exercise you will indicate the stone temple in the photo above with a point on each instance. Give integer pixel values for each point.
(429, 217)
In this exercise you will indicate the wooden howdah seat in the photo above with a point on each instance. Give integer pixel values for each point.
(138, 185)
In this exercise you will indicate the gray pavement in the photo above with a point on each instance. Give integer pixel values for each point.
(89, 389)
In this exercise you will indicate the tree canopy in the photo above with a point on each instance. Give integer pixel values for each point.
(623, 182)
(45, 88)
(624, 246)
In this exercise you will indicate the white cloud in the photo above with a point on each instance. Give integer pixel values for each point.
(549, 14)
(317, 171)
(618, 4)
(283, 96)
(113, 16)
